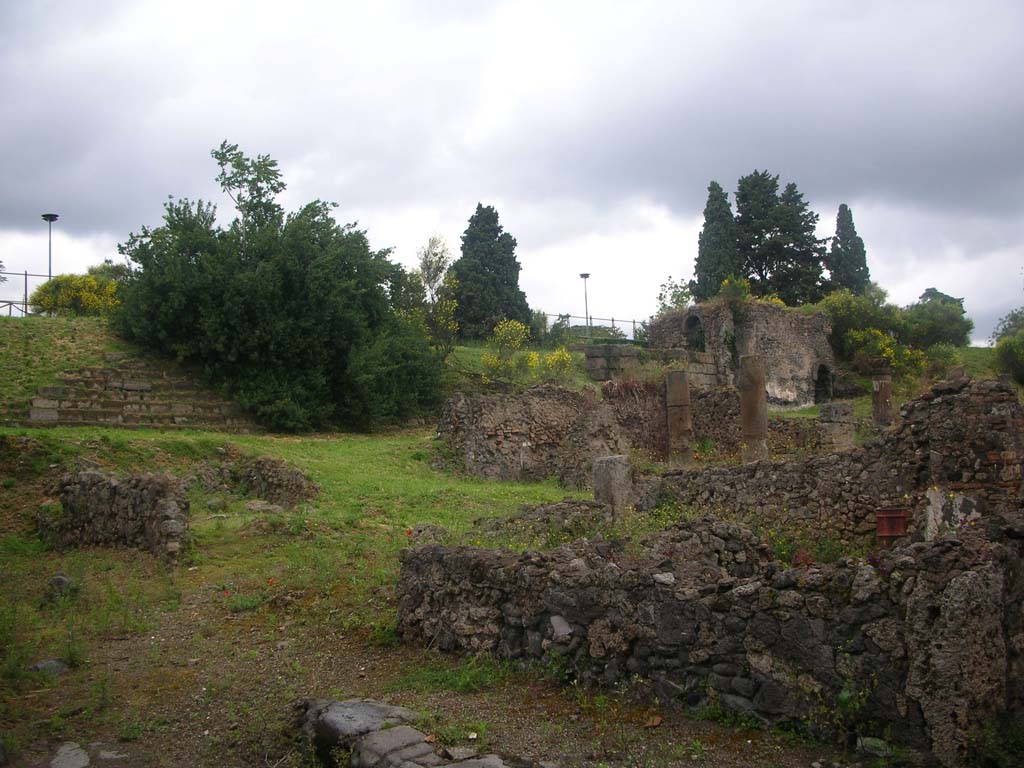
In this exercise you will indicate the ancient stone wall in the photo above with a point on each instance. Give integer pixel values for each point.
(604, 362)
(956, 455)
(553, 432)
(149, 512)
(794, 345)
(917, 638)
(549, 431)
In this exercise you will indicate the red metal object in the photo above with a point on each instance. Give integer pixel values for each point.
(891, 523)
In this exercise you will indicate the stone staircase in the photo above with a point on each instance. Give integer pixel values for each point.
(133, 391)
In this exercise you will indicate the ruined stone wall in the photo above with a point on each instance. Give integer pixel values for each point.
(149, 512)
(549, 431)
(929, 637)
(794, 345)
(553, 432)
(956, 455)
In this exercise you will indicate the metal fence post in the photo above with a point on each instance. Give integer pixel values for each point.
(24, 308)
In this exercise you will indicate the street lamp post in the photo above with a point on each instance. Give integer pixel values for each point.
(49, 218)
(586, 304)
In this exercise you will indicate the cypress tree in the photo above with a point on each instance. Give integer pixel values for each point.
(717, 255)
(847, 261)
(487, 275)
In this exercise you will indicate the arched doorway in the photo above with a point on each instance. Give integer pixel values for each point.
(823, 385)
(693, 330)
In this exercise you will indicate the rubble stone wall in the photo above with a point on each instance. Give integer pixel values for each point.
(929, 637)
(149, 512)
(956, 455)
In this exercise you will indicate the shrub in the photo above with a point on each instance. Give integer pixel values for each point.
(76, 295)
(871, 347)
(558, 364)
(850, 312)
(1010, 355)
(735, 289)
(293, 315)
(939, 358)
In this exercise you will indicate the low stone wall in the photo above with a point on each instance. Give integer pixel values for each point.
(275, 481)
(149, 512)
(928, 637)
(956, 455)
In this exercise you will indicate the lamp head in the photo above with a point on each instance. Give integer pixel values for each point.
(50, 217)
(584, 275)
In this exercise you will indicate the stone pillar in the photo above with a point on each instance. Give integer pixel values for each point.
(678, 412)
(753, 408)
(613, 482)
(882, 409)
(837, 426)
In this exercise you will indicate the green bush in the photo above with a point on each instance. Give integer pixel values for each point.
(851, 312)
(1010, 355)
(939, 358)
(293, 315)
(936, 318)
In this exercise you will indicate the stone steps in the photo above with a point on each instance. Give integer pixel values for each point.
(130, 392)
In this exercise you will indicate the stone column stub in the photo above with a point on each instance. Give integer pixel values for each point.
(882, 410)
(753, 408)
(678, 411)
(613, 482)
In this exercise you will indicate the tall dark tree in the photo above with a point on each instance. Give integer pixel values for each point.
(487, 275)
(847, 261)
(757, 201)
(717, 254)
(775, 238)
(797, 273)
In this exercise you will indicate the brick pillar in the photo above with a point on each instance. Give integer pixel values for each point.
(753, 408)
(882, 409)
(678, 412)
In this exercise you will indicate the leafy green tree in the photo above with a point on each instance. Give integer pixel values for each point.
(1009, 324)
(847, 261)
(294, 315)
(487, 276)
(717, 253)
(674, 294)
(934, 319)
(3, 278)
(433, 261)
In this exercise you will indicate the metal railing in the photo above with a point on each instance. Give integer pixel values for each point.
(627, 326)
(20, 306)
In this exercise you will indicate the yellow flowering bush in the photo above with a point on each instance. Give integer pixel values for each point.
(558, 363)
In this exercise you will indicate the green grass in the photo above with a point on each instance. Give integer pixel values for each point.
(463, 676)
(979, 362)
(34, 350)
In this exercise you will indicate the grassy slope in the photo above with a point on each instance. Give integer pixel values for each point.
(33, 350)
(198, 664)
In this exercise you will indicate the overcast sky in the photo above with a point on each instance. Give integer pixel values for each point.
(594, 128)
